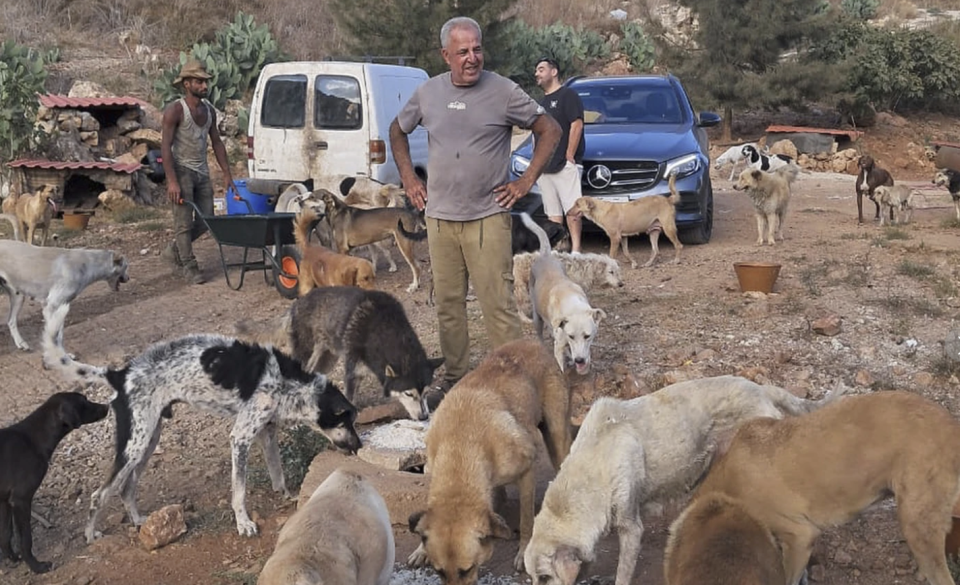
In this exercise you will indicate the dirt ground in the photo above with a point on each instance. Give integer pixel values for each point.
(896, 290)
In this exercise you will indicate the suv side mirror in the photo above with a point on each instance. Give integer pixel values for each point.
(708, 119)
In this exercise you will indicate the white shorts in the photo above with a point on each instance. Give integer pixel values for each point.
(560, 190)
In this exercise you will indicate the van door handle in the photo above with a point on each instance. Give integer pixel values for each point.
(320, 145)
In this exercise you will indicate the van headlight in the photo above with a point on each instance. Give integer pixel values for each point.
(518, 164)
(683, 166)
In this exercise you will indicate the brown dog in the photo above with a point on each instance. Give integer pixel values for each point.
(322, 267)
(36, 211)
(797, 476)
(645, 215)
(870, 177)
(482, 437)
(715, 540)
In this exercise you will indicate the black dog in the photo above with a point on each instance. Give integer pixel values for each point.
(526, 241)
(25, 450)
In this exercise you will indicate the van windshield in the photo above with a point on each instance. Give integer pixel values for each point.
(337, 103)
(285, 102)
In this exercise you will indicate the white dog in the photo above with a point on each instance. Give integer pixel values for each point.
(562, 304)
(584, 269)
(341, 535)
(630, 456)
(731, 156)
(899, 199)
(296, 198)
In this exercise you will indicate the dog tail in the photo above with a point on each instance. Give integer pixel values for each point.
(674, 194)
(275, 332)
(301, 228)
(789, 171)
(14, 222)
(792, 405)
(415, 236)
(540, 233)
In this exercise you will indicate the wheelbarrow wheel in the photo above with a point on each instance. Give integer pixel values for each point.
(290, 263)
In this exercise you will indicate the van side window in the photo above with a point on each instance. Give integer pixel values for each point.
(285, 102)
(337, 103)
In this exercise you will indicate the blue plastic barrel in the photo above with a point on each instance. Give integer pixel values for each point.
(259, 203)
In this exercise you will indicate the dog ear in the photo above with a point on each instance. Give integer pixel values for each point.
(498, 528)
(435, 363)
(69, 416)
(390, 372)
(599, 315)
(566, 564)
(417, 524)
(559, 323)
(350, 275)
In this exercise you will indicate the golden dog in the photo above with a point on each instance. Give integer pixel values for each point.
(797, 476)
(36, 211)
(482, 437)
(645, 215)
(322, 267)
(770, 193)
(899, 199)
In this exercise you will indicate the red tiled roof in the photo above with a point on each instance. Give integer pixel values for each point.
(852, 134)
(62, 101)
(128, 168)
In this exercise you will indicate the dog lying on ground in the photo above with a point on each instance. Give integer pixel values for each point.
(868, 179)
(523, 240)
(587, 270)
(800, 476)
(361, 326)
(322, 267)
(731, 156)
(951, 180)
(342, 535)
(770, 194)
(764, 162)
(644, 215)
(648, 450)
(36, 210)
(55, 276)
(353, 227)
(715, 540)
(259, 386)
(562, 304)
(900, 199)
(484, 436)
(25, 451)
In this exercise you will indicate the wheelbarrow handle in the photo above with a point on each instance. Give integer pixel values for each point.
(238, 197)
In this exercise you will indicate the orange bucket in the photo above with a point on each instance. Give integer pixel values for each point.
(756, 276)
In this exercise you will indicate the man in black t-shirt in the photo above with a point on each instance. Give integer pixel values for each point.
(560, 181)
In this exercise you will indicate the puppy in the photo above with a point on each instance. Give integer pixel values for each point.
(342, 536)
(563, 305)
(525, 241)
(770, 193)
(631, 455)
(587, 270)
(645, 215)
(322, 267)
(25, 450)
(715, 540)
(800, 476)
(951, 180)
(484, 436)
(899, 199)
(868, 179)
(37, 211)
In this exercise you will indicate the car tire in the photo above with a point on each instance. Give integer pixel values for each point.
(704, 230)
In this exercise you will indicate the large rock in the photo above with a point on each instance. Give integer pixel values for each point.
(784, 147)
(398, 445)
(150, 137)
(828, 325)
(163, 527)
(88, 89)
(114, 200)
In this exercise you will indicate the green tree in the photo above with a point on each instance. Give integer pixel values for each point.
(22, 76)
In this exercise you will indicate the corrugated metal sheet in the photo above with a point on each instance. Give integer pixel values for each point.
(128, 168)
(852, 134)
(62, 101)
(950, 144)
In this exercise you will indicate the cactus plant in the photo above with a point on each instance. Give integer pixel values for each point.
(637, 46)
(22, 76)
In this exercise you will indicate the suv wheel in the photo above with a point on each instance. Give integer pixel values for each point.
(702, 232)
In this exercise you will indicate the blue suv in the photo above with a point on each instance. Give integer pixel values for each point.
(638, 130)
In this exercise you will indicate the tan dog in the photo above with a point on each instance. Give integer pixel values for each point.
(322, 267)
(770, 193)
(483, 436)
(799, 476)
(715, 540)
(341, 536)
(587, 270)
(561, 303)
(645, 215)
(899, 199)
(373, 195)
(353, 227)
(36, 211)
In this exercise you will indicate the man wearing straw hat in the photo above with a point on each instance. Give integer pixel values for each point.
(187, 123)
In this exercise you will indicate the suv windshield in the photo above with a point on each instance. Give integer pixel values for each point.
(619, 103)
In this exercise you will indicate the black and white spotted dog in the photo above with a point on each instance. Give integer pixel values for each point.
(951, 180)
(764, 162)
(258, 385)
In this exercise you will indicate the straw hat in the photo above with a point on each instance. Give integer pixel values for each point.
(191, 69)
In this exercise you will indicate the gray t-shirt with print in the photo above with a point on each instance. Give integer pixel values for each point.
(469, 131)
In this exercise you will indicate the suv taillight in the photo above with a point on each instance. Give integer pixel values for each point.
(250, 147)
(378, 152)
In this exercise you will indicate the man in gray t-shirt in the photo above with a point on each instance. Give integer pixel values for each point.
(469, 115)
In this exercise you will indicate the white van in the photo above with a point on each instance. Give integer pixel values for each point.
(315, 119)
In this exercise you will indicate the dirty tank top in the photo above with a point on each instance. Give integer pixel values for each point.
(190, 140)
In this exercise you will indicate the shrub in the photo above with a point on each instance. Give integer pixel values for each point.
(22, 76)
(637, 46)
(860, 9)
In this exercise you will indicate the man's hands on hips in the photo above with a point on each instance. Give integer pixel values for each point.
(509, 194)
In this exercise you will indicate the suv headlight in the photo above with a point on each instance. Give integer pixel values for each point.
(518, 164)
(683, 166)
